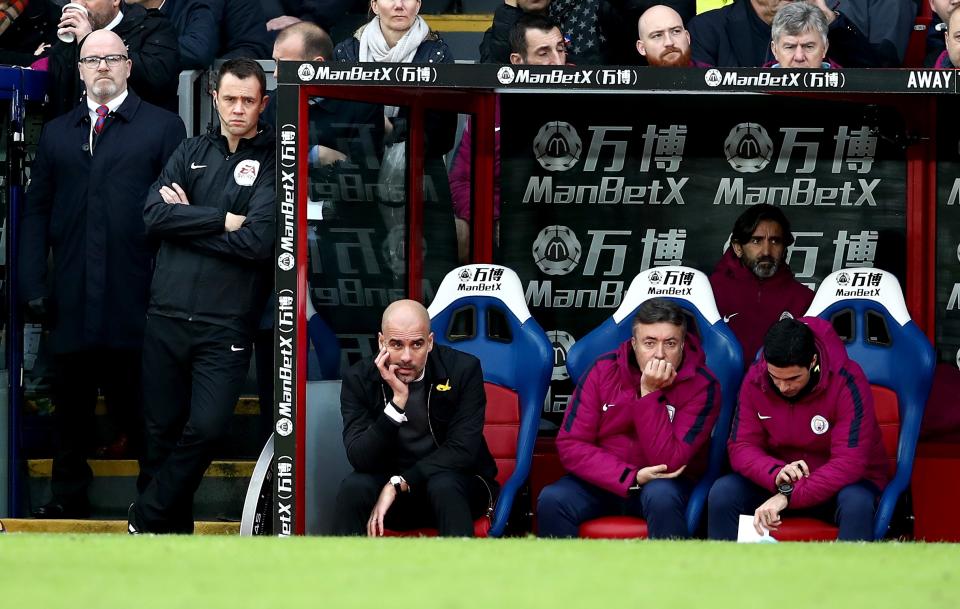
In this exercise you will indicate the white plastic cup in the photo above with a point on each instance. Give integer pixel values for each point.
(66, 35)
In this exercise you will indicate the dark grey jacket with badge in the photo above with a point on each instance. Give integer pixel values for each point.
(88, 208)
(456, 413)
(204, 273)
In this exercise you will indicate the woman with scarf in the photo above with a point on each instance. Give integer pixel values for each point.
(397, 34)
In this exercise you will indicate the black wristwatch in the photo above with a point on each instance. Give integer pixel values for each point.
(785, 489)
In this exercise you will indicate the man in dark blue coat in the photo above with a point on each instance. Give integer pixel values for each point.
(85, 203)
(738, 35)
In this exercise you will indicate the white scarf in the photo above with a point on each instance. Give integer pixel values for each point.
(374, 47)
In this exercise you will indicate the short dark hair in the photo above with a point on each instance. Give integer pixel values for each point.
(529, 21)
(243, 68)
(749, 220)
(316, 42)
(657, 311)
(789, 343)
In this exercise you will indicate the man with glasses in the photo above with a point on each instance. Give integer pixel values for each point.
(85, 203)
(150, 41)
(635, 435)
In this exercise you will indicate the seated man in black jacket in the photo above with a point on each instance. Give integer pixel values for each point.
(738, 35)
(151, 42)
(495, 46)
(413, 430)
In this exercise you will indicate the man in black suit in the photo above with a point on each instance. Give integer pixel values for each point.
(85, 203)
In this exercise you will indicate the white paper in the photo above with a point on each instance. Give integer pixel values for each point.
(747, 534)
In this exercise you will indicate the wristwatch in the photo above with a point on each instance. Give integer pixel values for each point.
(397, 482)
(785, 489)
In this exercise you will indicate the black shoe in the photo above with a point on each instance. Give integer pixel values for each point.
(132, 527)
(57, 510)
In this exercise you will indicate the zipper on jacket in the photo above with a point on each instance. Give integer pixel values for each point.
(430, 422)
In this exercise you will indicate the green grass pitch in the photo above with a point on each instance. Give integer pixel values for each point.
(102, 572)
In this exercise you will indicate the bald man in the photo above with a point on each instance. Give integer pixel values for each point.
(663, 40)
(413, 430)
(84, 204)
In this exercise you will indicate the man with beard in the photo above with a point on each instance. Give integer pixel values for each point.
(85, 203)
(805, 438)
(413, 431)
(753, 285)
(151, 44)
(664, 41)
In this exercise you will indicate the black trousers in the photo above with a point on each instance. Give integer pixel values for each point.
(192, 375)
(449, 502)
(79, 378)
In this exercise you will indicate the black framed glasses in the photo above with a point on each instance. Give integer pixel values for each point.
(92, 62)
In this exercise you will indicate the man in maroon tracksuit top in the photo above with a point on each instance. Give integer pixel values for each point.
(752, 284)
(635, 434)
(805, 438)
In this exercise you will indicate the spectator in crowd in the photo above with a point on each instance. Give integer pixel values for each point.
(618, 18)
(753, 284)
(578, 21)
(24, 27)
(346, 138)
(198, 29)
(85, 202)
(413, 431)
(212, 209)
(887, 25)
(495, 46)
(534, 40)
(397, 34)
(634, 439)
(243, 31)
(340, 130)
(799, 37)
(663, 40)
(151, 42)
(950, 58)
(805, 438)
(739, 35)
(942, 10)
(325, 13)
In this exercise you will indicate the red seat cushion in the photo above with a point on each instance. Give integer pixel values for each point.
(614, 527)
(805, 529)
(501, 428)
(886, 405)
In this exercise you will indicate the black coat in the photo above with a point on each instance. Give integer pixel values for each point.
(152, 46)
(204, 273)
(495, 46)
(734, 36)
(89, 210)
(456, 411)
(243, 29)
(198, 31)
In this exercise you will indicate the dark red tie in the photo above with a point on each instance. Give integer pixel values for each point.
(102, 112)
